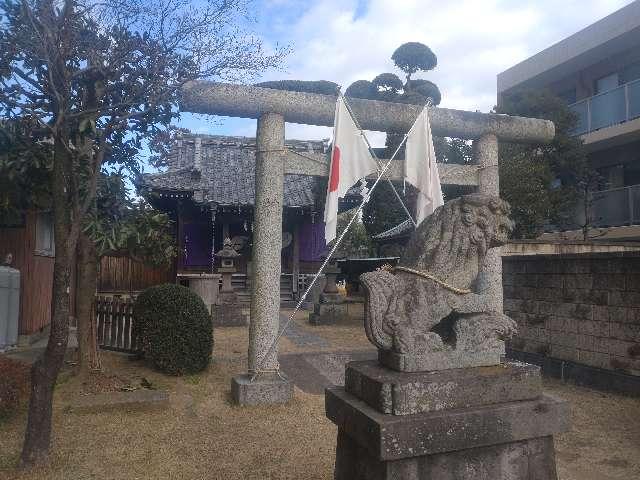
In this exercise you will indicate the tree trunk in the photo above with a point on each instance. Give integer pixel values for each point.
(88, 357)
(44, 371)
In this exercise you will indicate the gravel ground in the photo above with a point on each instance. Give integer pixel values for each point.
(203, 436)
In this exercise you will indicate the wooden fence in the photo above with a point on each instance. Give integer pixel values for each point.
(124, 275)
(115, 324)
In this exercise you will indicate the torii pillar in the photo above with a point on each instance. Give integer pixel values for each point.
(263, 383)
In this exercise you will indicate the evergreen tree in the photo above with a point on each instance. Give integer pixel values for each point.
(96, 79)
(545, 183)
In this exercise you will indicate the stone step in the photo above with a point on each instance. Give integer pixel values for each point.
(242, 288)
(244, 296)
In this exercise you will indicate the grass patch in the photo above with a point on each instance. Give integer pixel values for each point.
(192, 379)
(14, 386)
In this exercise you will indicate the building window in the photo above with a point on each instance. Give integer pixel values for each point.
(44, 234)
(609, 82)
(568, 96)
(630, 73)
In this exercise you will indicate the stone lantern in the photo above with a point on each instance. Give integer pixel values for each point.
(331, 306)
(227, 311)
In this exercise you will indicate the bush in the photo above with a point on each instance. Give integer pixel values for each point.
(14, 386)
(174, 329)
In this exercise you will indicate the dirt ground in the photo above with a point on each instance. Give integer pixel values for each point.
(203, 436)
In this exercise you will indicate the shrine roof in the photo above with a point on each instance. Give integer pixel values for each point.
(221, 170)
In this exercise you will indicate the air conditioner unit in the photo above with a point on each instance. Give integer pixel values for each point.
(9, 306)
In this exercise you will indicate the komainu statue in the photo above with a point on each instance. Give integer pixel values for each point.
(430, 312)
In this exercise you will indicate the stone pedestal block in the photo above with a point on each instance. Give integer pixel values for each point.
(485, 423)
(442, 360)
(229, 315)
(267, 388)
(227, 298)
(327, 313)
(400, 393)
(526, 460)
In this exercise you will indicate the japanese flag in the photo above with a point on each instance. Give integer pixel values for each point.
(421, 169)
(350, 161)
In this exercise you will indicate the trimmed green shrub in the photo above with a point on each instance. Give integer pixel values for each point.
(174, 329)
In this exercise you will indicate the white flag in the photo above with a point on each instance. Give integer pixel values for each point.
(421, 169)
(350, 161)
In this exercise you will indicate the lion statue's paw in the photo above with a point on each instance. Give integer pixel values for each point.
(411, 341)
(483, 330)
(505, 326)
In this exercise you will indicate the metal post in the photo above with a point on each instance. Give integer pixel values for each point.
(263, 384)
(626, 102)
(485, 154)
(631, 210)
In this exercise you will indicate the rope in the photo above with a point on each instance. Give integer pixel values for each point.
(272, 150)
(365, 199)
(315, 160)
(423, 274)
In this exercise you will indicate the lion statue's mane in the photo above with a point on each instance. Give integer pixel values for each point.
(401, 308)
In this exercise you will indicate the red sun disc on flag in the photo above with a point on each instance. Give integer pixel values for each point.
(335, 169)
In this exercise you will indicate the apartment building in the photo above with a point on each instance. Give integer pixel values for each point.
(597, 72)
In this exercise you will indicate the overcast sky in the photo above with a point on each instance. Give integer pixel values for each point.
(347, 40)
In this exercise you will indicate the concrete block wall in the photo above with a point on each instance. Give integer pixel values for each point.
(584, 309)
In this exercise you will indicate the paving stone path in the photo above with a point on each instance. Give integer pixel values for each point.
(313, 372)
(301, 337)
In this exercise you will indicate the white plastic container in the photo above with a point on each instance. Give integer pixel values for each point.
(9, 306)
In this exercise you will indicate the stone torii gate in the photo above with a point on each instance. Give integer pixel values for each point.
(272, 108)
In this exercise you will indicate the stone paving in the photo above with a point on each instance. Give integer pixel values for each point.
(313, 372)
(300, 336)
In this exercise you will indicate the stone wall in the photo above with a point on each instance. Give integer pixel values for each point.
(578, 308)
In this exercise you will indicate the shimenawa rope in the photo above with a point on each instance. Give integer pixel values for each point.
(423, 274)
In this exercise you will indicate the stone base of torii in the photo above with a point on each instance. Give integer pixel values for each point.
(263, 383)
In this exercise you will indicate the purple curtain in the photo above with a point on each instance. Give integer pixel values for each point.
(312, 245)
(197, 244)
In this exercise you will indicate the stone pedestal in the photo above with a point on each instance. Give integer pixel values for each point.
(205, 285)
(228, 312)
(440, 360)
(329, 310)
(266, 388)
(331, 306)
(482, 423)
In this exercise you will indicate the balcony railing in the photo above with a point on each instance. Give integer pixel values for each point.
(609, 108)
(616, 207)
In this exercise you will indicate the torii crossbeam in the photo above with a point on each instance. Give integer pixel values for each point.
(272, 108)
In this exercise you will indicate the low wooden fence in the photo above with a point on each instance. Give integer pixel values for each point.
(114, 318)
